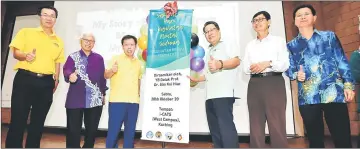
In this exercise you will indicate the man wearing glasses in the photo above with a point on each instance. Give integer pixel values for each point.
(318, 63)
(266, 58)
(84, 70)
(220, 73)
(39, 52)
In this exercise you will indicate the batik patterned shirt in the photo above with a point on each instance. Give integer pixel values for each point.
(89, 89)
(325, 65)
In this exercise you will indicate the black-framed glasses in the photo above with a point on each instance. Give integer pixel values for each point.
(211, 30)
(258, 20)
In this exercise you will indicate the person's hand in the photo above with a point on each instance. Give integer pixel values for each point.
(259, 67)
(73, 77)
(56, 85)
(193, 79)
(349, 95)
(103, 100)
(301, 74)
(114, 68)
(30, 57)
(214, 64)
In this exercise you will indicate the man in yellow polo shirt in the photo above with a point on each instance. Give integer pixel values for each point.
(124, 72)
(39, 52)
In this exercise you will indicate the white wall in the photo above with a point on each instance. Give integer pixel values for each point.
(234, 20)
(20, 22)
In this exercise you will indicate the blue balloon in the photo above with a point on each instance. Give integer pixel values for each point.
(199, 52)
(197, 64)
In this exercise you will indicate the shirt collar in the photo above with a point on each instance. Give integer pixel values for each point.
(220, 41)
(42, 30)
(299, 36)
(264, 39)
(82, 53)
(128, 58)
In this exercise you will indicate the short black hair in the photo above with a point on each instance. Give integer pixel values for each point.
(211, 22)
(313, 11)
(265, 13)
(48, 7)
(128, 37)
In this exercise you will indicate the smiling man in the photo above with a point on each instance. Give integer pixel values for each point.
(39, 52)
(220, 72)
(266, 58)
(124, 72)
(84, 70)
(318, 63)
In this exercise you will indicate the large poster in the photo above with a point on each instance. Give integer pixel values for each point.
(167, 88)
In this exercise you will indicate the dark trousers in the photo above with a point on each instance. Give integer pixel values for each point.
(358, 141)
(119, 114)
(220, 119)
(337, 119)
(267, 102)
(74, 126)
(29, 92)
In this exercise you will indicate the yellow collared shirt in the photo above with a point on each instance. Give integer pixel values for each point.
(124, 85)
(49, 50)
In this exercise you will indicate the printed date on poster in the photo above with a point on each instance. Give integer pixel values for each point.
(165, 97)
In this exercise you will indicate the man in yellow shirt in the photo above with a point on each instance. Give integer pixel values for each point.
(124, 72)
(39, 52)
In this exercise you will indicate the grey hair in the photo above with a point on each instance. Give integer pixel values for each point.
(88, 34)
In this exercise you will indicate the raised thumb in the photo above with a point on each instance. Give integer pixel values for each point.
(211, 58)
(34, 51)
(301, 68)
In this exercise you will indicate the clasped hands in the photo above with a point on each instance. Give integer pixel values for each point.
(259, 67)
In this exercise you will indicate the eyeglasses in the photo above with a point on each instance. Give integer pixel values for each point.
(302, 15)
(48, 16)
(88, 41)
(257, 20)
(211, 30)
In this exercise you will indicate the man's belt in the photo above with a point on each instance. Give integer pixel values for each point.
(265, 74)
(40, 75)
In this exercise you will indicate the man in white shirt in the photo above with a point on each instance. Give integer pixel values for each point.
(220, 73)
(266, 58)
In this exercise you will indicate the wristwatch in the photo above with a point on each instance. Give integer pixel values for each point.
(271, 64)
(222, 64)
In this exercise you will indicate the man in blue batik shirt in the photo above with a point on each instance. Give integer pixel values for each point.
(325, 83)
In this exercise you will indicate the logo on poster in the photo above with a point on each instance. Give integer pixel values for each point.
(149, 134)
(158, 134)
(169, 135)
